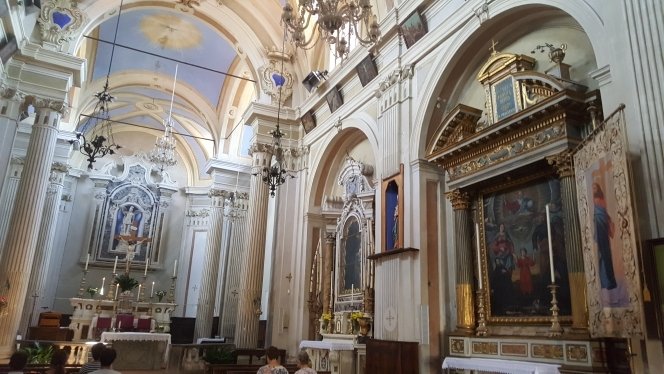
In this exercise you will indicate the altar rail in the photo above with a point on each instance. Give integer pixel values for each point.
(79, 352)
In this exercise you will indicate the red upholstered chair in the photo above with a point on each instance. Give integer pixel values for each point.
(103, 324)
(144, 325)
(124, 322)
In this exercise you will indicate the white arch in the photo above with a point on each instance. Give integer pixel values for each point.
(581, 11)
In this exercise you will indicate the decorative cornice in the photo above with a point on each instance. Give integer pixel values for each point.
(460, 200)
(563, 162)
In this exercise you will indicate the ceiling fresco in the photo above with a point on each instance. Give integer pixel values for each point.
(168, 33)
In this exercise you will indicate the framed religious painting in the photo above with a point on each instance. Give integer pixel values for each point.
(366, 70)
(413, 28)
(609, 232)
(515, 255)
(308, 121)
(334, 99)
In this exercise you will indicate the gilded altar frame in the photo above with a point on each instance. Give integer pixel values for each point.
(517, 208)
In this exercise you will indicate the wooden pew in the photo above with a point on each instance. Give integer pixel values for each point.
(227, 368)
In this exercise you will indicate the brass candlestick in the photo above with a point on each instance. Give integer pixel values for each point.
(81, 287)
(555, 330)
(111, 289)
(171, 291)
(481, 329)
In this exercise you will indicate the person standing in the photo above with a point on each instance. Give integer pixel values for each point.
(106, 359)
(95, 364)
(273, 366)
(304, 364)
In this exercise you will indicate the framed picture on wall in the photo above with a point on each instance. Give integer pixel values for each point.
(334, 99)
(413, 28)
(366, 70)
(516, 260)
(308, 121)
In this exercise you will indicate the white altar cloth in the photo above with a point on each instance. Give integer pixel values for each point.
(499, 366)
(138, 337)
(330, 346)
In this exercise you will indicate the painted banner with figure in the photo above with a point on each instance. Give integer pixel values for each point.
(608, 230)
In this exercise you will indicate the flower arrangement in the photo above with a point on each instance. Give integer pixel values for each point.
(160, 294)
(326, 316)
(92, 291)
(354, 316)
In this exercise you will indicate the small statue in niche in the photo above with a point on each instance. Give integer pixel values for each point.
(395, 228)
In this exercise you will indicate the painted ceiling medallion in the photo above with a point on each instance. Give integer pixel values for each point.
(171, 32)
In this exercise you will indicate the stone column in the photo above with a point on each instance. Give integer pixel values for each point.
(251, 280)
(563, 163)
(24, 228)
(236, 252)
(206, 302)
(328, 264)
(464, 273)
(9, 197)
(44, 249)
(10, 103)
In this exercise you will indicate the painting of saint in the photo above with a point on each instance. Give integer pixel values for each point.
(610, 266)
(516, 243)
(351, 255)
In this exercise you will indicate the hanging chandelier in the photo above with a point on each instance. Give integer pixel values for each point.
(274, 175)
(99, 122)
(163, 153)
(336, 22)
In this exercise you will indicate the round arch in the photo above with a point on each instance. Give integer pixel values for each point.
(444, 66)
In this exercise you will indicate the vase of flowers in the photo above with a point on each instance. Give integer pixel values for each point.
(325, 319)
(92, 291)
(160, 294)
(354, 321)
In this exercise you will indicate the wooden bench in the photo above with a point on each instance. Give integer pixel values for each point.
(228, 368)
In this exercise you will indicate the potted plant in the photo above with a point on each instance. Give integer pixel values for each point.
(39, 354)
(125, 282)
(219, 355)
(92, 291)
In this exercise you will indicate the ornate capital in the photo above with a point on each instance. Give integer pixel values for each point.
(60, 167)
(330, 237)
(58, 106)
(398, 75)
(218, 192)
(60, 20)
(198, 213)
(260, 148)
(460, 200)
(563, 162)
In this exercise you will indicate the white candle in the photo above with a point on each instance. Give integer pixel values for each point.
(147, 263)
(116, 292)
(352, 290)
(175, 268)
(138, 294)
(103, 280)
(548, 233)
(115, 265)
(87, 261)
(479, 256)
(152, 290)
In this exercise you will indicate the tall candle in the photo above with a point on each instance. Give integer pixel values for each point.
(175, 268)
(548, 233)
(147, 263)
(87, 261)
(479, 256)
(103, 280)
(115, 265)
(138, 294)
(116, 292)
(152, 290)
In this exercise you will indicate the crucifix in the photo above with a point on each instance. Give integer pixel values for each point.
(128, 245)
(493, 47)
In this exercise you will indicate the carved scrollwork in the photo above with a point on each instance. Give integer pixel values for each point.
(60, 20)
(563, 163)
(274, 76)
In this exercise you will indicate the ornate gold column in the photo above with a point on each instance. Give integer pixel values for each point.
(464, 274)
(328, 263)
(563, 163)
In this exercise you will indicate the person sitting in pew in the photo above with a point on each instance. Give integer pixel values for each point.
(304, 363)
(273, 366)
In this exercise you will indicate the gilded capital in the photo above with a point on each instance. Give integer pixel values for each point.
(460, 200)
(563, 163)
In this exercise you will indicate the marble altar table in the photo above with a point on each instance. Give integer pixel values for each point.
(499, 366)
(139, 350)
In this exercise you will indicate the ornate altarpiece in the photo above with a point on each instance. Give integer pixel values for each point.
(519, 145)
(131, 205)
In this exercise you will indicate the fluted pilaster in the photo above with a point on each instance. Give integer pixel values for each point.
(464, 273)
(10, 103)
(25, 219)
(209, 278)
(564, 165)
(237, 250)
(8, 198)
(251, 279)
(328, 265)
(41, 263)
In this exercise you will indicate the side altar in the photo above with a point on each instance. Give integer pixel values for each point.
(91, 314)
